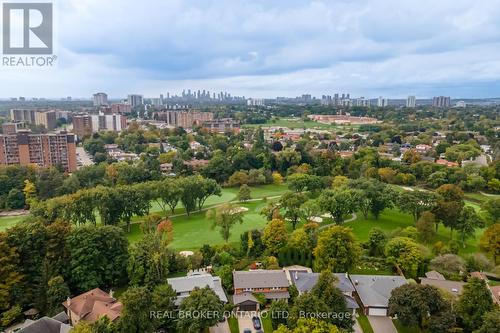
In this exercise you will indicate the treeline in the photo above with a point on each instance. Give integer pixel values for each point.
(120, 203)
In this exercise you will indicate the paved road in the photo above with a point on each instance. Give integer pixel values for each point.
(382, 324)
(220, 328)
(83, 157)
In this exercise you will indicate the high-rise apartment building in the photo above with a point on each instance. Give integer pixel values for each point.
(46, 118)
(135, 100)
(411, 102)
(87, 124)
(13, 127)
(183, 118)
(44, 150)
(382, 102)
(121, 108)
(441, 102)
(100, 99)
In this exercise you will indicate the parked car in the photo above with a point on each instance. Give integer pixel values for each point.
(247, 330)
(256, 323)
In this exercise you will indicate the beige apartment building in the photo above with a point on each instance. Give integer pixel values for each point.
(46, 118)
(44, 150)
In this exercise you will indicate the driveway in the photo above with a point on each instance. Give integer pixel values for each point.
(382, 324)
(245, 322)
(220, 328)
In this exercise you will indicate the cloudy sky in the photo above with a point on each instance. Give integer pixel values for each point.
(269, 48)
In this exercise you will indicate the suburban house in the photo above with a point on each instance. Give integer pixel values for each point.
(437, 280)
(56, 324)
(305, 281)
(91, 306)
(374, 291)
(183, 286)
(272, 284)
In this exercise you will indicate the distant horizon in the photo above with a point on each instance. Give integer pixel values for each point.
(266, 49)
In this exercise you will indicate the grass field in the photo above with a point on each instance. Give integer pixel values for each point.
(267, 325)
(392, 219)
(9, 221)
(364, 323)
(404, 329)
(293, 123)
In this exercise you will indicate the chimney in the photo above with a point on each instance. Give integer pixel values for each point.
(296, 275)
(356, 282)
(111, 293)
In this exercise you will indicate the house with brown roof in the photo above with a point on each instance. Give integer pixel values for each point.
(272, 284)
(91, 306)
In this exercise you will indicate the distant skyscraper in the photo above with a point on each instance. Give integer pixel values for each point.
(441, 102)
(134, 100)
(411, 102)
(382, 102)
(100, 99)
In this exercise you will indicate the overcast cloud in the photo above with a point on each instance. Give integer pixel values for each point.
(266, 48)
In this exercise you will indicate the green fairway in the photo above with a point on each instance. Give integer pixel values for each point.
(9, 221)
(191, 233)
(392, 219)
(293, 123)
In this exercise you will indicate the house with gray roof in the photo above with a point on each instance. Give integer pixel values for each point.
(374, 291)
(454, 288)
(183, 286)
(304, 282)
(273, 284)
(44, 325)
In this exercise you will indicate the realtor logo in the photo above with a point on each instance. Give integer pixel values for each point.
(27, 28)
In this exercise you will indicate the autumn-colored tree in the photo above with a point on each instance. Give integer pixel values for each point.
(275, 236)
(490, 242)
(337, 249)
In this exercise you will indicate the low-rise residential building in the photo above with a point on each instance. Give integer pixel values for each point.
(446, 163)
(272, 284)
(183, 286)
(91, 306)
(454, 288)
(56, 324)
(374, 292)
(222, 125)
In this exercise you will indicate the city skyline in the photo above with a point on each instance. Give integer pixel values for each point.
(263, 50)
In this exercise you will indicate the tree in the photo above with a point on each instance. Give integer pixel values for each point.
(162, 298)
(149, 261)
(226, 276)
(416, 202)
(490, 242)
(244, 193)
(405, 253)
(167, 193)
(29, 191)
(425, 226)
(337, 250)
(57, 292)
(307, 303)
(200, 301)
(82, 327)
(10, 316)
(15, 199)
(467, 223)
(275, 236)
(492, 209)
(334, 299)
(225, 217)
(278, 311)
(474, 302)
(309, 325)
(135, 317)
(411, 156)
(491, 322)
(291, 203)
(98, 257)
(9, 273)
(374, 197)
(450, 265)
(414, 303)
(301, 240)
(104, 325)
(376, 241)
(251, 243)
(449, 206)
(300, 182)
(337, 203)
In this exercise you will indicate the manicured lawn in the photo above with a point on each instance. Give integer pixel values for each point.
(364, 323)
(191, 233)
(9, 221)
(233, 325)
(267, 324)
(392, 219)
(299, 123)
(404, 329)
